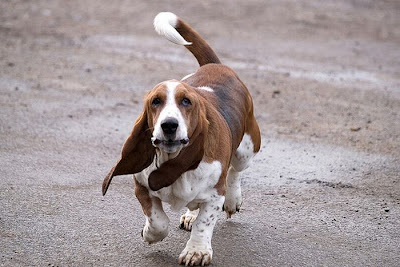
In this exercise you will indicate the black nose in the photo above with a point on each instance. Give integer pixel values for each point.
(169, 126)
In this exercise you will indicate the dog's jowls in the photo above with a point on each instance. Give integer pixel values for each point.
(188, 146)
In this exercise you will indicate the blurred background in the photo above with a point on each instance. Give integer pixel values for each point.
(325, 78)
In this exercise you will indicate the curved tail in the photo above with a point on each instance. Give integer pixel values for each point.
(177, 31)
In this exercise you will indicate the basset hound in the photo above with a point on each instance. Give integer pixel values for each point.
(189, 144)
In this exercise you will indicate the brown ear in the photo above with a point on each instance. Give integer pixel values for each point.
(188, 159)
(137, 153)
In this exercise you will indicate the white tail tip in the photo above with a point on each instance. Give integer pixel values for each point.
(165, 23)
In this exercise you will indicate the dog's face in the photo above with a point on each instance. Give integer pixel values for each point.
(173, 111)
(174, 117)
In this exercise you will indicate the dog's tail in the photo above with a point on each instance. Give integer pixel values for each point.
(177, 31)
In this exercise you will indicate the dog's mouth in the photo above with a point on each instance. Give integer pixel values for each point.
(169, 143)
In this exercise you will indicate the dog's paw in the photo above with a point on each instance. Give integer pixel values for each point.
(195, 256)
(151, 236)
(187, 219)
(232, 204)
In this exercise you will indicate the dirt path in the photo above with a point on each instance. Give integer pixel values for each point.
(325, 78)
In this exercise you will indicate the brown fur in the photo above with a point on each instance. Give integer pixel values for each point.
(188, 159)
(137, 152)
(216, 124)
(199, 47)
(142, 194)
(210, 138)
(253, 130)
(218, 145)
(231, 98)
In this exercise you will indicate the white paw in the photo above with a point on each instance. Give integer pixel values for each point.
(232, 204)
(187, 219)
(151, 235)
(195, 256)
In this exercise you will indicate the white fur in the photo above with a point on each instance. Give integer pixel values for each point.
(240, 161)
(244, 153)
(165, 23)
(194, 189)
(156, 227)
(206, 88)
(187, 219)
(198, 250)
(233, 195)
(171, 110)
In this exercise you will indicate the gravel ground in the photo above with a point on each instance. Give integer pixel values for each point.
(325, 77)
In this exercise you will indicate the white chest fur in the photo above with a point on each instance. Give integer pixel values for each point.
(193, 187)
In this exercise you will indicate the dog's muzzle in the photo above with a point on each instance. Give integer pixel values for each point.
(156, 142)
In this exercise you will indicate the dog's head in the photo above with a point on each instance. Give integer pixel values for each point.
(173, 112)
(174, 121)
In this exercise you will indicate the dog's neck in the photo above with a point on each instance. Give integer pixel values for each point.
(162, 156)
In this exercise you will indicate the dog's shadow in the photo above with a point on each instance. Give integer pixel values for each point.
(233, 242)
(162, 258)
(239, 243)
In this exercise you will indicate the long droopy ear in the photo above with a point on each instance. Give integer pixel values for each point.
(137, 152)
(188, 159)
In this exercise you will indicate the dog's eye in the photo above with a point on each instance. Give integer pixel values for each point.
(156, 102)
(186, 102)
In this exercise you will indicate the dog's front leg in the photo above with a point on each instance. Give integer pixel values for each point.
(157, 222)
(198, 250)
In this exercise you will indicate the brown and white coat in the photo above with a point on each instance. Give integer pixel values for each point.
(189, 144)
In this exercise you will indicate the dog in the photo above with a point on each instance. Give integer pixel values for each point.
(188, 146)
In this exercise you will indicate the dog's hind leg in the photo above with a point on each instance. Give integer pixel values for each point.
(241, 159)
(233, 195)
(187, 219)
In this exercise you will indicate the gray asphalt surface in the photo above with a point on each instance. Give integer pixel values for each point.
(325, 77)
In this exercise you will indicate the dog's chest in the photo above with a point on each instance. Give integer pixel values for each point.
(193, 187)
